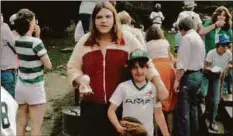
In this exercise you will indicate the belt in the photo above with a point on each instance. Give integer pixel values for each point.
(9, 70)
(156, 23)
(191, 71)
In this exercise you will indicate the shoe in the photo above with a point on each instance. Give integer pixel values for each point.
(213, 126)
(28, 129)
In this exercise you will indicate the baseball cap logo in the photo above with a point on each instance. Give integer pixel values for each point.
(222, 39)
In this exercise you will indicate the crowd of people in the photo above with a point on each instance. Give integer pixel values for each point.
(121, 71)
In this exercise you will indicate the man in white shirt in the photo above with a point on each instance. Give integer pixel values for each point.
(8, 59)
(190, 61)
(79, 32)
(156, 16)
(188, 8)
(85, 11)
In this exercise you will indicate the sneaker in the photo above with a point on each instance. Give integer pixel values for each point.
(213, 126)
(28, 129)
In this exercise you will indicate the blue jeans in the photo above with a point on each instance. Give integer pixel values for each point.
(213, 95)
(8, 81)
(188, 103)
(227, 84)
(177, 41)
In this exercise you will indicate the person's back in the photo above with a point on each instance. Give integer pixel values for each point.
(8, 59)
(136, 32)
(126, 21)
(33, 58)
(8, 56)
(196, 18)
(158, 48)
(29, 50)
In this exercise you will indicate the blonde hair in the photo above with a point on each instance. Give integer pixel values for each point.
(124, 17)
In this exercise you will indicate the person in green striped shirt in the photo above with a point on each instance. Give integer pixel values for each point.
(33, 58)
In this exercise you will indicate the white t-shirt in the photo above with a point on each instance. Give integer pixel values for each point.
(157, 17)
(87, 7)
(79, 32)
(136, 32)
(158, 48)
(137, 103)
(217, 60)
(8, 114)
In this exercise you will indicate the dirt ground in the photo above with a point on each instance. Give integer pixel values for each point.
(59, 95)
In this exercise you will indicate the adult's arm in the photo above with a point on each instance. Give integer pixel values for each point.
(203, 30)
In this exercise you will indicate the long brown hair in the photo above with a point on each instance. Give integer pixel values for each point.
(217, 12)
(116, 29)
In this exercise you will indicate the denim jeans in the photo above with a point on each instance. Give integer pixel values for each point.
(227, 84)
(8, 81)
(213, 95)
(188, 104)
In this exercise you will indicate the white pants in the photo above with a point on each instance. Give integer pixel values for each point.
(31, 94)
(157, 25)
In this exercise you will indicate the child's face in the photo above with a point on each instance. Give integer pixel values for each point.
(139, 72)
(221, 49)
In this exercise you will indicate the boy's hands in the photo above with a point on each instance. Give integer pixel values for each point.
(37, 31)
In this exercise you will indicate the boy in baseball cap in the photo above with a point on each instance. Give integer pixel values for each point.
(138, 96)
(219, 58)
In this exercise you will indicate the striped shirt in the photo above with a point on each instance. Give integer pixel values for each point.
(29, 50)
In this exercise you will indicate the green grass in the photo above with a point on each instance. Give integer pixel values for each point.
(58, 59)
(171, 39)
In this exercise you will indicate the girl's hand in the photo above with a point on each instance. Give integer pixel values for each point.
(220, 23)
(85, 90)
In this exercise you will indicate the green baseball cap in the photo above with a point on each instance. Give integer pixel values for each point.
(138, 54)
